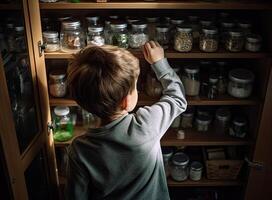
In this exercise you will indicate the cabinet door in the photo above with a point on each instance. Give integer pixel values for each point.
(260, 179)
(23, 117)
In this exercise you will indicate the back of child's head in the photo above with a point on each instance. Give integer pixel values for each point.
(99, 78)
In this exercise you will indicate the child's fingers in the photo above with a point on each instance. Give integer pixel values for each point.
(157, 44)
(152, 44)
(148, 47)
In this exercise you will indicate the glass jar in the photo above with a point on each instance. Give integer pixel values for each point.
(239, 127)
(209, 39)
(153, 87)
(206, 23)
(173, 28)
(107, 31)
(95, 36)
(20, 43)
(240, 83)
(119, 34)
(60, 20)
(213, 91)
(226, 26)
(63, 125)
(167, 153)
(245, 27)
(179, 167)
(152, 22)
(92, 20)
(235, 41)
(190, 80)
(176, 122)
(253, 43)
(222, 83)
(187, 119)
(183, 39)
(222, 120)
(162, 36)
(203, 122)
(72, 38)
(196, 171)
(57, 83)
(89, 120)
(51, 38)
(138, 35)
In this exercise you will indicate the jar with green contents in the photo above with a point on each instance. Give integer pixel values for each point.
(119, 34)
(63, 125)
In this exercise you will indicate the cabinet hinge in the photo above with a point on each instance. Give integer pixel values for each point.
(41, 47)
(50, 127)
(255, 165)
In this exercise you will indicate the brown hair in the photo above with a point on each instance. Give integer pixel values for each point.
(100, 77)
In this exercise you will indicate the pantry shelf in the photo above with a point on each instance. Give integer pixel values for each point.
(160, 4)
(175, 55)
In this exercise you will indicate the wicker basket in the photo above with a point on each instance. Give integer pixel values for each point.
(222, 169)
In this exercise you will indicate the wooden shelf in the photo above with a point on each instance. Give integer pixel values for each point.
(199, 101)
(192, 138)
(196, 54)
(159, 4)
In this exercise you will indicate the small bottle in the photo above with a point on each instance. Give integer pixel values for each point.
(213, 91)
(196, 171)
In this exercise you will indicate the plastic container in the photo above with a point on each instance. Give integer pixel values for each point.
(235, 41)
(253, 43)
(51, 38)
(72, 37)
(239, 127)
(209, 39)
(162, 36)
(179, 166)
(190, 80)
(57, 83)
(196, 169)
(222, 120)
(63, 125)
(240, 83)
(119, 34)
(183, 41)
(138, 35)
(203, 123)
(95, 35)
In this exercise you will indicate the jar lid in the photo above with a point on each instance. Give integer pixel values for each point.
(60, 19)
(254, 38)
(114, 17)
(192, 69)
(206, 22)
(227, 24)
(186, 29)
(139, 24)
(193, 18)
(244, 24)
(177, 21)
(163, 29)
(152, 19)
(57, 74)
(95, 29)
(195, 165)
(223, 114)
(203, 111)
(180, 159)
(92, 18)
(204, 119)
(241, 75)
(213, 78)
(71, 24)
(10, 25)
(61, 110)
(210, 30)
(167, 151)
(236, 33)
(187, 114)
(118, 25)
(50, 34)
(19, 28)
(239, 121)
(131, 20)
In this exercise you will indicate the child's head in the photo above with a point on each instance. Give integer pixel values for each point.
(103, 80)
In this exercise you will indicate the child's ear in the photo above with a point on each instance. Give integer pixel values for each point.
(124, 103)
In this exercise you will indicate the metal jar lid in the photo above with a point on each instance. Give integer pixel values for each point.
(95, 29)
(210, 30)
(206, 22)
(114, 17)
(71, 24)
(60, 19)
(196, 166)
(227, 24)
(223, 114)
(50, 34)
(118, 25)
(152, 19)
(132, 20)
(92, 18)
(239, 121)
(186, 29)
(19, 28)
(139, 24)
(213, 78)
(240, 75)
(57, 74)
(61, 110)
(162, 29)
(244, 24)
(235, 33)
(177, 21)
(254, 38)
(191, 69)
(204, 119)
(167, 152)
(180, 159)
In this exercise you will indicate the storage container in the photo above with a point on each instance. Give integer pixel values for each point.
(179, 167)
(51, 38)
(183, 41)
(95, 35)
(57, 83)
(209, 39)
(190, 80)
(138, 35)
(119, 34)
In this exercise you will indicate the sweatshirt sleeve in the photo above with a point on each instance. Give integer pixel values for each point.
(156, 119)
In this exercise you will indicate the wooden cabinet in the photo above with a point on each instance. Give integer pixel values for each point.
(257, 107)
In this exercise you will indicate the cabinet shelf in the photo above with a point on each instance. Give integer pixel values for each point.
(195, 54)
(159, 4)
(192, 138)
(194, 101)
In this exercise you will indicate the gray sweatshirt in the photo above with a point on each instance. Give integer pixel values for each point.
(123, 160)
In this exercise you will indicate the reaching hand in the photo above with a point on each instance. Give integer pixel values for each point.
(153, 52)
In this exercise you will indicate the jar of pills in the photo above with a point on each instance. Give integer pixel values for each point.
(187, 119)
(119, 34)
(196, 171)
(183, 39)
(240, 83)
(239, 127)
(72, 37)
(57, 83)
(222, 120)
(179, 167)
(51, 38)
(167, 153)
(253, 43)
(190, 80)
(95, 35)
(209, 39)
(213, 91)
(162, 36)
(203, 122)
(138, 35)
(235, 41)
(63, 125)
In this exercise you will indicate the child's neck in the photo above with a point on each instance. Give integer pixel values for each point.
(114, 117)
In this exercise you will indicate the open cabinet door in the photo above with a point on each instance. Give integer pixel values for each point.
(28, 151)
(260, 178)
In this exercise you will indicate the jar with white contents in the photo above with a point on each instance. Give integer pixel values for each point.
(138, 35)
(203, 123)
(51, 38)
(183, 39)
(187, 119)
(240, 83)
(253, 43)
(179, 168)
(57, 83)
(190, 79)
(95, 36)
(196, 171)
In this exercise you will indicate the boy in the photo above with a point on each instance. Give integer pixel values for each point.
(120, 159)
